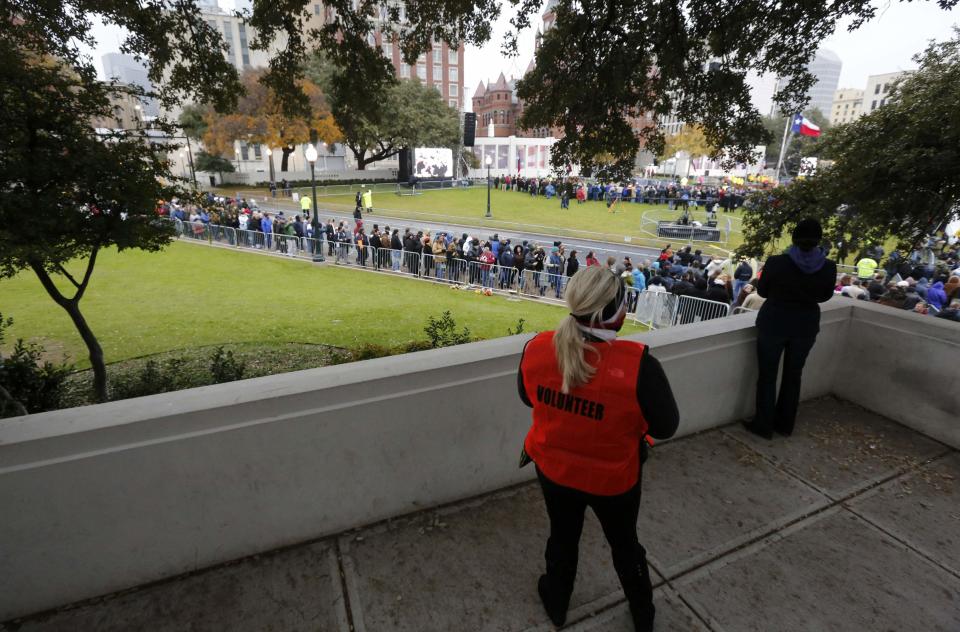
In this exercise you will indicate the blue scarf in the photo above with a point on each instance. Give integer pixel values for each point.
(810, 261)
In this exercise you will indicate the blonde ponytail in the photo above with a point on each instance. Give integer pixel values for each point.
(587, 293)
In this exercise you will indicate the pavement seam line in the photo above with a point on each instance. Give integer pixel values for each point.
(901, 540)
(343, 585)
(831, 505)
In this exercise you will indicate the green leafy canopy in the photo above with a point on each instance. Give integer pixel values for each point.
(894, 172)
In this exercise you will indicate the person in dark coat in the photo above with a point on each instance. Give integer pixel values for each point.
(788, 323)
(572, 264)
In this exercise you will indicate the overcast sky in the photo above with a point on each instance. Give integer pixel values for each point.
(885, 44)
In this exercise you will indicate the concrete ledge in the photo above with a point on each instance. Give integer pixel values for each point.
(904, 366)
(106, 497)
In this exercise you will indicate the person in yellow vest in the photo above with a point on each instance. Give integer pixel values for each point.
(305, 204)
(866, 268)
(594, 400)
(368, 201)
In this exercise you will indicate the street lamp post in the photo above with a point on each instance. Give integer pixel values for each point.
(239, 166)
(311, 155)
(183, 167)
(193, 173)
(489, 162)
(272, 184)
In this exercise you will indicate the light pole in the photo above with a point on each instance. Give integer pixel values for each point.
(489, 162)
(311, 155)
(183, 167)
(272, 183)
(239, 166)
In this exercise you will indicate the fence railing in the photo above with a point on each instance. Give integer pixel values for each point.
(654, 309)
(659, 310)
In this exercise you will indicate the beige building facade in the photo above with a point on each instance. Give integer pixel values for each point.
(847, 106)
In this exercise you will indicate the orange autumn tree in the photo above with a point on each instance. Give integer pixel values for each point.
(258, 118)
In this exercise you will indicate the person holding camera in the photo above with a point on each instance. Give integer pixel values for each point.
(595, 399)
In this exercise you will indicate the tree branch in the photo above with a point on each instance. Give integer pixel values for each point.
(86, 276)
(64, 272)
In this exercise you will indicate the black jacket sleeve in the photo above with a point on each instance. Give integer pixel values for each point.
(520, 387)
(656, 399)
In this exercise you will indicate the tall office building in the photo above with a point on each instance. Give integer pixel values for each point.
(126, 69)
(237, 35)
(441, 66)
(825, 67)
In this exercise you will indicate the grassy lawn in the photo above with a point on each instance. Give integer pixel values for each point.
(520, 212)
(192, 296)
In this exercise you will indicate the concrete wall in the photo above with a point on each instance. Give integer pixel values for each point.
(106, 497)
(904, 366)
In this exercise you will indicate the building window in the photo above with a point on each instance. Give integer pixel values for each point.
(453, 103)
(371, 39)
(422, 71)
(244, 49)
(453, 74)
(316, 9)
(404, 71)
(883, 102)
(876, 89)
(873, 106)
(453, 56)
(437, 56)
(387, 49)
(438, 85)
(228, 38)
(256, 153)
(886, 87)
(244, 151)
(452, 90)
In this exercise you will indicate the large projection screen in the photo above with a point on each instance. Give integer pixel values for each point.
(431, 163)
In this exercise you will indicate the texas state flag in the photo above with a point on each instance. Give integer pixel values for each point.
(805, 126)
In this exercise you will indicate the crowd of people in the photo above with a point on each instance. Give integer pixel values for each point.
(673, 194)
(927, 281)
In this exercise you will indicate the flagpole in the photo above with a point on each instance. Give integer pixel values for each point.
(783, 145)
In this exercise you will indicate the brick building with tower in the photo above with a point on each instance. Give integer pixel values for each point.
(496, 102)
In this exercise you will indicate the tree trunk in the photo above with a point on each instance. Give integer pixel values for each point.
(93, 347)
(72, 307)
(283, 160)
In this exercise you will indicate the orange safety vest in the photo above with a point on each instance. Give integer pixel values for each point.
(590, 438)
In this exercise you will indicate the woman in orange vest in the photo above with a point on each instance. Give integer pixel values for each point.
(594, 399)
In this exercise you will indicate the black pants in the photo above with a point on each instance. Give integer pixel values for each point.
(773, 412)
(618, 518)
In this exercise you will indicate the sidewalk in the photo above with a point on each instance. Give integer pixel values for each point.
(851, 524)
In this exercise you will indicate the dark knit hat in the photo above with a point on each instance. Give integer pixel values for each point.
(808, 234)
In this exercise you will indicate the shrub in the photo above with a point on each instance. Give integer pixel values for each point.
(34, 383)
(442, 332)
(369, 351)
(154, 377)
(28, 384)
(519, 329)
(225, 367)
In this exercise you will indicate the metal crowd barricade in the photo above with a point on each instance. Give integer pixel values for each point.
(691, 309)
(411, 263)
(222, 234)
(390, 259)
(656, 310)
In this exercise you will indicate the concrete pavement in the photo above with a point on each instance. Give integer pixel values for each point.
(851, 524)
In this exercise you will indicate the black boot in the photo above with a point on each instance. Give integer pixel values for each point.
(555, 600)
(638, 589)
